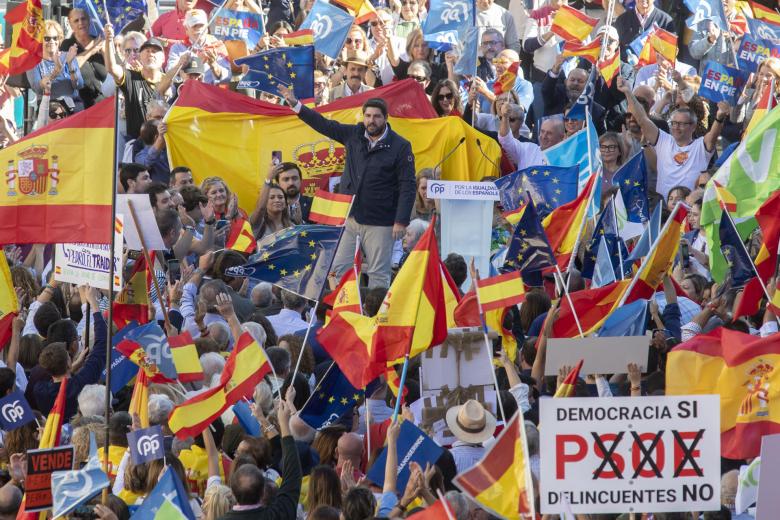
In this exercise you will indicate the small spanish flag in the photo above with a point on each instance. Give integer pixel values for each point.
(241, 237)
(567, 387)
(26, 49)
(664, 43)
(506, 81)
(362, 10)
(726, 199)
(498, 292)
(330, 208)
(610, 68)
(9, 304)
(139, 400)
(394, 382)
(513, 217)
(346, 296)
(50, 437)
(302, 37)
(765, 14)
(590, 51)
(185, 358)
(572, 25)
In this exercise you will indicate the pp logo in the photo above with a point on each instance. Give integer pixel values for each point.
(12, 412)
(437, 187)
(452, 12)
(321, 26)
(148, 444)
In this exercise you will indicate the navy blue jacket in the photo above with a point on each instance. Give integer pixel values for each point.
(382, 178)
(46, 391)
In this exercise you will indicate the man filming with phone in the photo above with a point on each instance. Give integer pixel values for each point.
(380, 173)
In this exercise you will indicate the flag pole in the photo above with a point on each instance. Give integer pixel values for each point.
(591, 203)
(620, 251)
(109, 350)
(565, 287)
(579, 233)
(488, 347)
(401, 384)
(752, 264)
(445, 504)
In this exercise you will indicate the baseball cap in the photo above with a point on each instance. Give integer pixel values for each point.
(195, 66)
(195, 17)
(153, 42)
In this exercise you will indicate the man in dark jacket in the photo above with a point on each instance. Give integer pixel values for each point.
(634, 22)
(379, 172)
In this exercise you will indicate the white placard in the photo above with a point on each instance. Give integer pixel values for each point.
(462, 190)
(607, 355)
(146, 220)
(593, 454)
(83, 264)
(768, 503)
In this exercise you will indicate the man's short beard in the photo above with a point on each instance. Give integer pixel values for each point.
(377, 132)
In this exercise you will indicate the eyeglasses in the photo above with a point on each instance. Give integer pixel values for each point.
(51, 38)
(132, 50)
(409, 2)
(418, 79)
(608, 147)
(680, 123)
(491, 43)
(356, 41)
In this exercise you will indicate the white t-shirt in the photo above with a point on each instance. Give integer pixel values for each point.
(679, 165)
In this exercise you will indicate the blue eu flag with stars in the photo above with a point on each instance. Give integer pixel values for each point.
(286, 66)
(632, 180)
(605, 227)
(297, 259)
(529, 250)
(333, 398)
(548, 186)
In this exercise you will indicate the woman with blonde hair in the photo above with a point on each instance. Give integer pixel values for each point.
(224, 201)
(613, 155)
(418, 49)
(58, 73)
(424, 208)
(217, 501)
(768, 73)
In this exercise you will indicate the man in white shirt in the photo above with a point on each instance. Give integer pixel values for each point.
(288, 321)
(523, 154)
(680, 157)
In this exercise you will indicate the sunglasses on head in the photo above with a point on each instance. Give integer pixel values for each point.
(445, 96)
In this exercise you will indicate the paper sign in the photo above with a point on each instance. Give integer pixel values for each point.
(145, 216)
(605, 355)
(722, 83)
(462, 190)
(40, 465)
(768, 503)
(82, 264)
(630, 454)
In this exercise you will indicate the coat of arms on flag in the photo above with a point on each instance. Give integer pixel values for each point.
(32, 172)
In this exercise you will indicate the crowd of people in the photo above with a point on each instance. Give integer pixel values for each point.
(290, 470)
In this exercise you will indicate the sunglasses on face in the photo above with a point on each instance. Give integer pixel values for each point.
(51, 38)
(356, 41)
(57, 114)
(132, 50)
(447, 96)
(418, 79)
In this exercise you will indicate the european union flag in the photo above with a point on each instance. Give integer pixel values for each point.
(529, 249)
(632, 180)
(15, 411)
(333, 398)
(649, 236)
(606, 227)
(548, 186)
(286, 66)
(298, 259)
(122, 369)
(70, 489)
(626, 320)
(168, 499)
(330, 26)
(741, 266)
(120, 12)
(154, 341)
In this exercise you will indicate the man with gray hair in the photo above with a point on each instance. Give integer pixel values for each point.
(160, 407)
(289, 321)
(262, 296)
(522, 154)
(92, 400)
(208, 297)
(212, 364)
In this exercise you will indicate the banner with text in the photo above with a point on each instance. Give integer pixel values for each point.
(630, 454)
(83, 264)
(239, 25)
(722, 83)
(753, 51)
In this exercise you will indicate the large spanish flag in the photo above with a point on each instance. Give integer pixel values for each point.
(572, 25)
(590, 51)
(563, 225)
(58, 181)
(9, 304)
(745, 371)
(26, 48)
(501, 481)
(245, 131)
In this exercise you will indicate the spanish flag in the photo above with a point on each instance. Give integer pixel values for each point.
(132, 303)
(506, 81)
(592, 307)
(185, 358)
(26, 48)
(513, 217)
(206, 118)
(139, 401)
(590, 51)
(136, 353)
(330, 208)
(302, 37)
(500, 292)
(563, 225)
(572, 25)
(747, 379)
(664, 43)
(362, 10)
(50, 437)
(765, 14)
(412, 318)
(241, 237)
(766, 103)
(495, 320)
(501, 482)
(726, 199)
(438, 511)
(569, 384)
(610, 68)
(56, 189)
(9, 304)
(394, 382)
(774, 303)
(346, 296)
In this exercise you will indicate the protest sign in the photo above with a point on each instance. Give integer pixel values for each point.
(83, 264)
(413, 446)
(40, 465)
(753, 51)
(603, 355)
(722, 83)
(239, 25)
(768, 503)
(146, 221)
(630, 454)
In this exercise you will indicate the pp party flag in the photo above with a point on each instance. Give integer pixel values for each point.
(284, 66)
(330, 208)
(448, 21)
(120, 12)
(147, 346)
(330, 26)
(50, 437)
(606, 228)
(241, 237)
(568, 386)
(528, 250)
(564, 224)
(632, 180)
(648, 238)
(609, 68)
(362, 9)
(15, 411)
(747, 379)
(123, 370)
(302, 37)
(169, 500)
(589, 51)
(362, 346)
(413, 445)
(592, 307)
(239, 25)
(741, 267)
(70, 489)
(506, 81)
(334, 396)
(765, 104)
(185, 357)
(549, 187)
(603, 272)
(146, 444)
(764, 13)
(246, 418)
(9, 304)
(664, 43)
(572, 25)
(722, 83)
(501, 481)
(628, 320)
(297, 258)
(498, 292)
(132, 303)
(707, 10)
(346, 295)
(747, 485)
(139, 400)
(26, 49)
(57, 189)
(469, 45)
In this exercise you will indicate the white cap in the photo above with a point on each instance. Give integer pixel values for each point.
(195, 17)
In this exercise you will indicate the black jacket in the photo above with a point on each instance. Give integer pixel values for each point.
(628, 26)
(382, 178)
